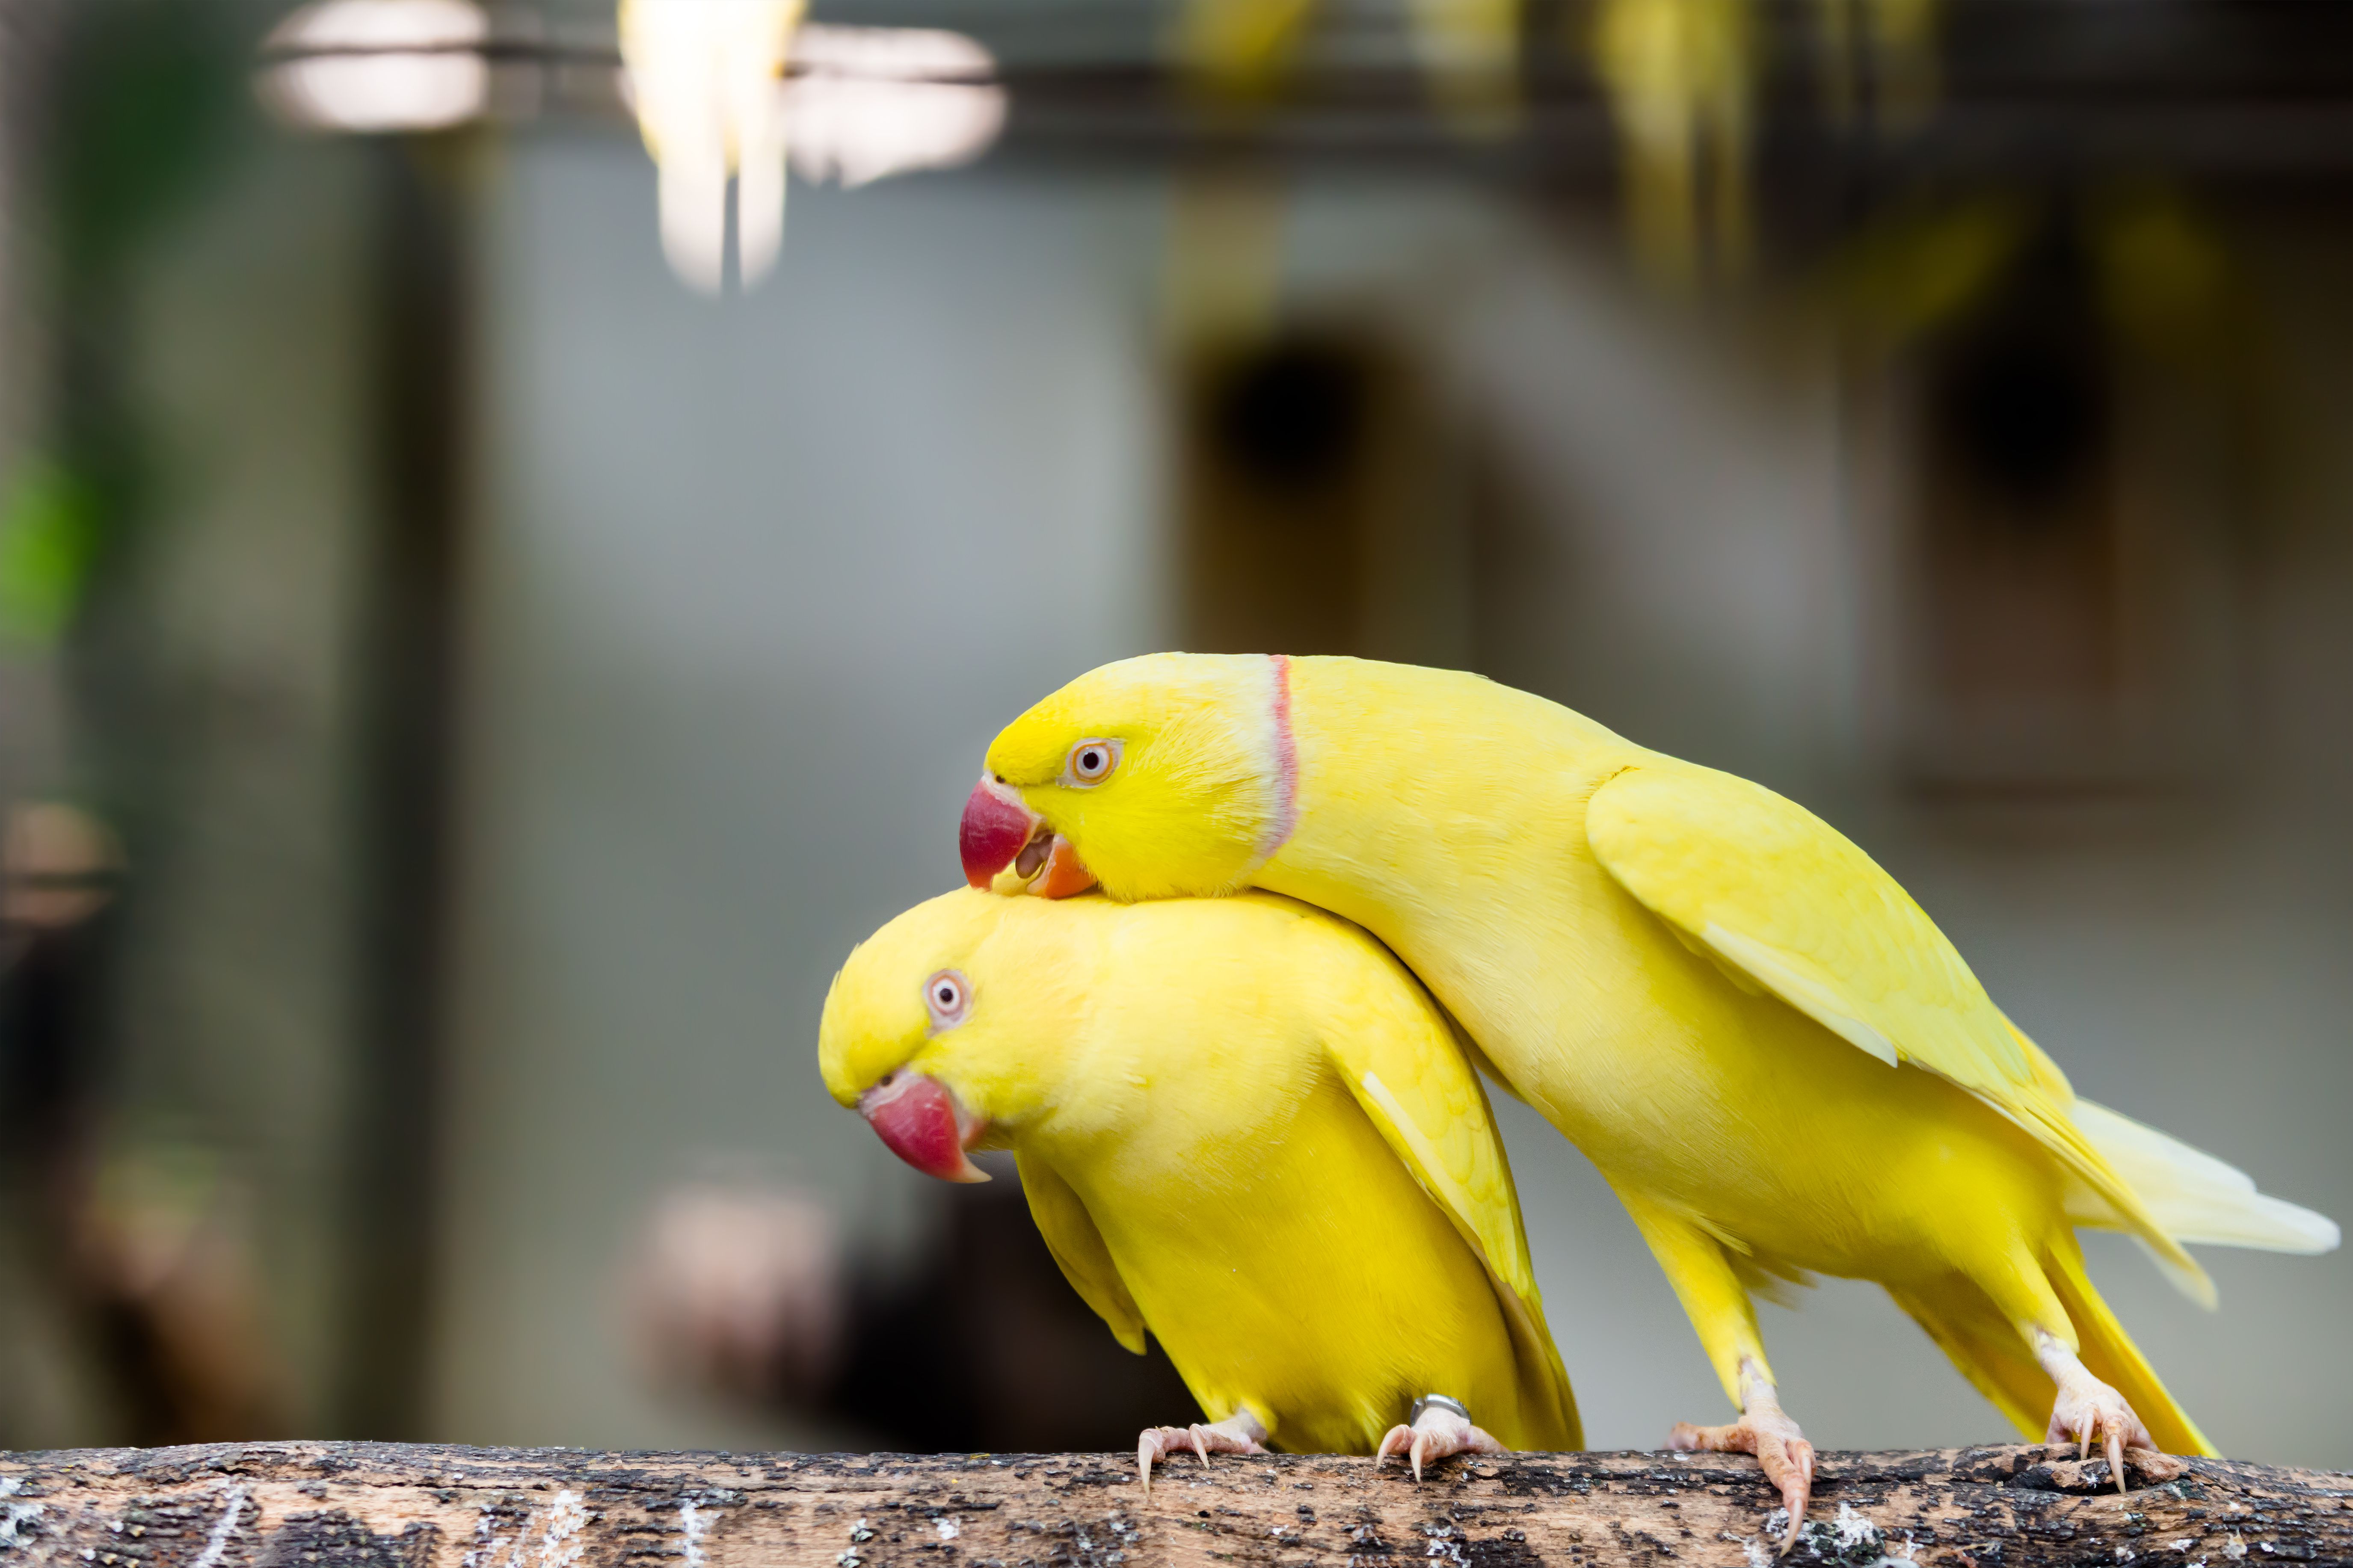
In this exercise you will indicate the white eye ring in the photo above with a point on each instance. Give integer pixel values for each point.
(1091, 763)
(947, 996)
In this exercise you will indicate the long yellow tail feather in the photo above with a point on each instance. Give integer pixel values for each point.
(1990, 1353)
(2115, 1360)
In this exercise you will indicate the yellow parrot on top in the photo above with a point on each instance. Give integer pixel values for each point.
(1212, 1104)
(1780, 1063)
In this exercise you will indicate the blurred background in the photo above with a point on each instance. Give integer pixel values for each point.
(488, 620)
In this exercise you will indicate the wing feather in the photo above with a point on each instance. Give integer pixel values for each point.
(1771, 889)
(1079, 1250)
(1399, 1054)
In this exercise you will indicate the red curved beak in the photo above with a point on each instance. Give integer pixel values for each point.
(919, 1121)
(998, 824)
(1008, 848)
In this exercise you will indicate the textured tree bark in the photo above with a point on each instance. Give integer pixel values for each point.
(386, 1506)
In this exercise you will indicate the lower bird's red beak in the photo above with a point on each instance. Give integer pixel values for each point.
(1008, 848)
(921, 1121)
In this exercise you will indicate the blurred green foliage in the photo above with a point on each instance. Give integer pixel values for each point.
(150, 94)
(48, 533)
(147, 104)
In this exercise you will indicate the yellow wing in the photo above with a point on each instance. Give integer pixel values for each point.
(1397, 1053)
(1770, 890)
(1079, 1250)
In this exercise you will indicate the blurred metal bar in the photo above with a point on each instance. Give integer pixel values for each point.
(409, 672)
(2231, 87)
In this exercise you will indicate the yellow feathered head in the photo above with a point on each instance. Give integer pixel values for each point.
(1167, 775)
(944, 1022)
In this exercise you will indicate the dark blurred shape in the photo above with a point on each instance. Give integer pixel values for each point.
(2061, 378)
(2021, 411)
(2025, 418)
(2019, 542)
(164, 1264)
(981, 1346)
(1328, 491)
(57, 869)
(409, 675)
(141, 1243)
(1281, 483)
(987, 1347)
(1292, 417)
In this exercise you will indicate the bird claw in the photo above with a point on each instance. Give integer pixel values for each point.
(1781, 1451)
(1436, 1432)
(2088, 1411)
(1237, 1434)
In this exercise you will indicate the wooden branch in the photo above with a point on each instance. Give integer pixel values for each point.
(323, 1505)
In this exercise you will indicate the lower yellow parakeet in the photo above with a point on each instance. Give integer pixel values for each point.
(1779, 1061)
(1241, 1125)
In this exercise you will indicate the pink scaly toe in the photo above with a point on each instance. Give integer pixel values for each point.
(1441, 1427)
(1240, 1433)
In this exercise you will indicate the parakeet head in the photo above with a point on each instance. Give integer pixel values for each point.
(937, 1027)
(1170, 774)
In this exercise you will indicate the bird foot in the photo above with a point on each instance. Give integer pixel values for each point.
(2088, 1411)
(1237, 1434)
(1440, 1428)
(1781, 1451)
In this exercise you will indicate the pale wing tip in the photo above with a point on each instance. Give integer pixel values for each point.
(2191, 1280)
(2262, 1223)
(2297, 1229)
(2266, 1224)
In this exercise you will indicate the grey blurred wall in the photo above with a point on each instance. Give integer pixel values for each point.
(213, 715)
(761, 576)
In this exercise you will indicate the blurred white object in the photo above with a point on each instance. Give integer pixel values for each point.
(706, 78)
(738, 1289)
(58, 863)
(373, 66)
(869, 101)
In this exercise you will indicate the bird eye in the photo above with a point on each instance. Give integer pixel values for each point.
(1092, 761)
(947, 996)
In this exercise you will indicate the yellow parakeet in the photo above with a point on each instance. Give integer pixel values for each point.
(1241, 1125)
(1778, 1060)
